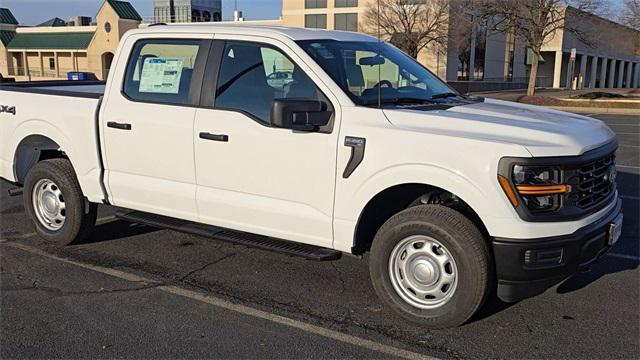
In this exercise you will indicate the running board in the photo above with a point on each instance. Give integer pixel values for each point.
(291, 248)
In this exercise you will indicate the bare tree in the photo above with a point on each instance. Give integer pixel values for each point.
(535, 22)
(630, 15)
(411, 25)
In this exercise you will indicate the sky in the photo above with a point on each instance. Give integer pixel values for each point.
(33, 12)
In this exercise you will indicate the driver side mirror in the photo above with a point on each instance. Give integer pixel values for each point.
(301, 115)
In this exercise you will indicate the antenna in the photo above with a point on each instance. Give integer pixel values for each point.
(379, 69)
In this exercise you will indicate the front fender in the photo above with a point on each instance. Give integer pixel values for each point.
(484, 197)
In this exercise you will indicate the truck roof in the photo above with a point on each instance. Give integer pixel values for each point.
(258, 30)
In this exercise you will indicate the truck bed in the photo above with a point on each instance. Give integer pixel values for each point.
(87, 89)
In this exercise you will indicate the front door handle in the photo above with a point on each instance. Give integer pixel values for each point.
(116, 125)
(214, 137)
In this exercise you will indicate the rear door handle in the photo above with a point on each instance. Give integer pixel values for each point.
(116, 125)
(214, 137)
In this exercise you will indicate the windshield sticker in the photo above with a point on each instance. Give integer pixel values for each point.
(160, 75)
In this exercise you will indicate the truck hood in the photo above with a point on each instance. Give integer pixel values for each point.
(543, 132)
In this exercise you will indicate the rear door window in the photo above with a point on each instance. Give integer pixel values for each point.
(161, 71)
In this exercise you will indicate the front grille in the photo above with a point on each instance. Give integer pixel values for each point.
(594, 182)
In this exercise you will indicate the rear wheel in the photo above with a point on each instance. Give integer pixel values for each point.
(430, 264)
(54, 201)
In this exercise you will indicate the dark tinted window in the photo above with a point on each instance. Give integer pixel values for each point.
(346, 3)
(315, 4)
(161, 70)
(347, 22)
(315, 21)
(253, 75)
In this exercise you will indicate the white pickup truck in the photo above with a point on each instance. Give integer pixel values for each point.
(318, 143)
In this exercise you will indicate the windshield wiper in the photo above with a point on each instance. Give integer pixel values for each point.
(403, 100)
(444, 95)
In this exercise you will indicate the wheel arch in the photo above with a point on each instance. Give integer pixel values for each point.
(395, 198)
(32, 149)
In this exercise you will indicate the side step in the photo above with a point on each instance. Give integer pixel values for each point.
(237, 237)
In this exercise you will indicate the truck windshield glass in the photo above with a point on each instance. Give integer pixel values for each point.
(369, 70)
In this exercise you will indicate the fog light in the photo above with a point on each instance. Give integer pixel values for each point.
(544, 258)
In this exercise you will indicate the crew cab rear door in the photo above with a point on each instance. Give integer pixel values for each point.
(147, 124)
(252, 175)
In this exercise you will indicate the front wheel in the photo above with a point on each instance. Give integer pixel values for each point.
(54, 201)
(430, 264)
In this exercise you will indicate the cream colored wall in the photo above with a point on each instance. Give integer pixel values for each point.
(4, 60)
(293, 12)
(103, 41)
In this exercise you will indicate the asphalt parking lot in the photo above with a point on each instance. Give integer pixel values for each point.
(135, 291)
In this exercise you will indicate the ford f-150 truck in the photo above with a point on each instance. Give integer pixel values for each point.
(362, 151)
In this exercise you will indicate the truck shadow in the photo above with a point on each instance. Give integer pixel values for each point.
(629, 187)
(606, 265)
(117, 230)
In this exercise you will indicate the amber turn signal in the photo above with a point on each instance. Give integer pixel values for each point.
(508, 190)
(543, 189)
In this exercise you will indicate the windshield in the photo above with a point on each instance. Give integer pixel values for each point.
(368, 70)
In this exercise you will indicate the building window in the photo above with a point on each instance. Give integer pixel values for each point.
(52, 64)
(347, 22)
(315, 21)
(346, 3)
(475, 44)
(480, 51)
(107, 27)
(315, 4)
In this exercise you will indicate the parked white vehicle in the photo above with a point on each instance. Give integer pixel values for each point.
(364, 151)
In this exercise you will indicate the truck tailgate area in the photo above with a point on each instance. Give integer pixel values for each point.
(46, 119)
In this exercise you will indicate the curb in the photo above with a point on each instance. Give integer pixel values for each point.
(596, 110)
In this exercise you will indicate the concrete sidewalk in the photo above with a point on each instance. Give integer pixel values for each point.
(628, 106)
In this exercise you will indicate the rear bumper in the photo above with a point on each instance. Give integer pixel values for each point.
(528, 267)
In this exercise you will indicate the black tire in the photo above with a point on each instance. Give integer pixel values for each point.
(79, 218)
(463, 241)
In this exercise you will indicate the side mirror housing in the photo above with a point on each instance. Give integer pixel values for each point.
(301, 115)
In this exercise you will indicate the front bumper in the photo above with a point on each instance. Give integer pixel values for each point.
(528, 267)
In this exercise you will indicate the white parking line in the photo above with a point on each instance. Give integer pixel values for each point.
(630, 197)
(245, 310)
(624, 256)
(628, 167)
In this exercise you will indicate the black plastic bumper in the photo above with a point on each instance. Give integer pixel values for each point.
(525, 268)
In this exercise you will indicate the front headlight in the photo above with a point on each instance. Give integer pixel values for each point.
(538, 188)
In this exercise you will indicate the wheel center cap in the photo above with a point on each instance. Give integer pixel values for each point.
(425, 272)
(50, 203)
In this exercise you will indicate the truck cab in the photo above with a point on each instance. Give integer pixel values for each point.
(358, 150)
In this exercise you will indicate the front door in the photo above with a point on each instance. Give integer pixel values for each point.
(148, 128)
(251, 175)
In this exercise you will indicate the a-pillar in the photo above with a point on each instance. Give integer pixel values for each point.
(603, 73)
(629, 70)
(612, 74)
(620, 74)
(557, 70)
(594, 72)
(583, 71)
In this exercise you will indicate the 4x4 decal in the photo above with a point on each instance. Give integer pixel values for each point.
(7, 109)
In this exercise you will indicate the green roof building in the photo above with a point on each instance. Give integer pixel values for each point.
(53, 48)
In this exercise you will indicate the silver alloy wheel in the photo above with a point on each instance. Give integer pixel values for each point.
(423, 272)
(48, 204)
